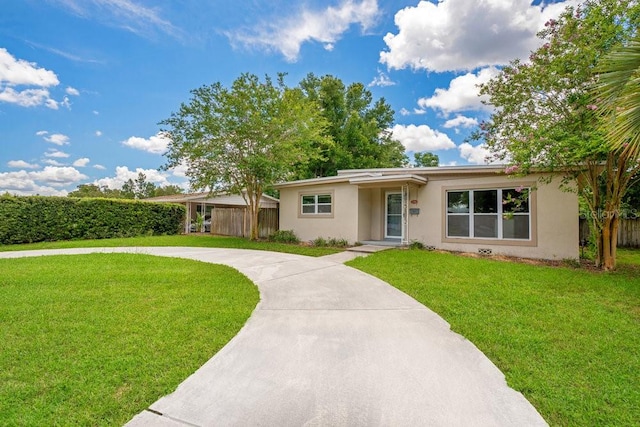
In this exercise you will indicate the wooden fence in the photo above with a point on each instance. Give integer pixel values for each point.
(628, 232)
(237, 222)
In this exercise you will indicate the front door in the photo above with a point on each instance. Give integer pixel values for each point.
(393, 215)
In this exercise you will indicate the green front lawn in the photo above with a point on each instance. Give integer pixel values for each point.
(95, 339)
(207, 241)
(568, 339)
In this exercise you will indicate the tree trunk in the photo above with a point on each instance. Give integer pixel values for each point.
(610, 241)
(255, 209)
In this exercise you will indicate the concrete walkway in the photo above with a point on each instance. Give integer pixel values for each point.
(331, 346)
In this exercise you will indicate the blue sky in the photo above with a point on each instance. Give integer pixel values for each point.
(83, 83)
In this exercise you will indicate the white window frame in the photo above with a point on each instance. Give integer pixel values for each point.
(316, 204)
(500, 214)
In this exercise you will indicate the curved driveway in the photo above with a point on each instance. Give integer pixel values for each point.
(329, 345)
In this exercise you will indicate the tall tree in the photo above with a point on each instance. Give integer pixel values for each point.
(358, 126)
(545, 117)
(426, 158)
(92, 190)
(167, 190)
(138, 188)
(244, 138)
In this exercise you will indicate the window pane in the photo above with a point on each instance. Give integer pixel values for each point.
(457, 201)
(485, 226)
(458, 225)
(308, 209)
(394, 204)
(515, 201)
(324, 208)
(308, 200)
(324, 198)
(485, 201)
(516, 227)
(394, 226)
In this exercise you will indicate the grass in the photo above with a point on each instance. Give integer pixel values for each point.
(95, 339)
(207, 241)
(568, 339)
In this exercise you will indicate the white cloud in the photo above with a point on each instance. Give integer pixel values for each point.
(461, 122)
(404, 112)
(14, 72)
(462, 94)
(478, 154)
(421, 138)
(72, 91)
(52, 162)
(66, 102)
(455, 35)
(56, 138)
(96, 113)
(27, 97)
(325, 26)
(18, 72)
(98, 133)
(382, 80)
(126, 14)
(123, 174)
(22, 164)
(82, 162)
(99, 167)
(56, 154)
(21, 183)
(156, 144)
(58, 176)
(45, 182)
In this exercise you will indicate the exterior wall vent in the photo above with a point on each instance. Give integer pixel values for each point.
(484, 251)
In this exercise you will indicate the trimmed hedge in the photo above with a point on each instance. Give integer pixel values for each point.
(39, 218)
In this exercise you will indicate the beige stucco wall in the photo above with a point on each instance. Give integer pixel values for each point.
(556, 221)
(343, 224)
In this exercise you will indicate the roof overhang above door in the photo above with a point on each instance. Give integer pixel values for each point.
(388, 180)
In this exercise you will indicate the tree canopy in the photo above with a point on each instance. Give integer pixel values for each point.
(358, 127)
(426, 158)
(546, 115)
(245, 138)
(131, 189)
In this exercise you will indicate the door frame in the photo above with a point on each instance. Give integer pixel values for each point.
(386, 215)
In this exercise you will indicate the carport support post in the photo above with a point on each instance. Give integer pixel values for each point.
(187, 219)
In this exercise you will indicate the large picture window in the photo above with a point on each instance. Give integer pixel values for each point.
(316, 204)
(501, 213)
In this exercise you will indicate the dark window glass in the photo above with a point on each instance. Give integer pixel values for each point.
(458, 225)
(516, 227)
(485, 201)
(324, 198)
(515, 201)
(458, 202)
(485, 226)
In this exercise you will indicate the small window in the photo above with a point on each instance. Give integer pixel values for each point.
(316, 204)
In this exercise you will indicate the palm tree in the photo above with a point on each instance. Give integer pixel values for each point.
(619, 94)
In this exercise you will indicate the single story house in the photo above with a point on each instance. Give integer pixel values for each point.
(226, 212)
(459, 208)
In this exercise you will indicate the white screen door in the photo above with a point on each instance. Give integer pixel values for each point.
(393, 215)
